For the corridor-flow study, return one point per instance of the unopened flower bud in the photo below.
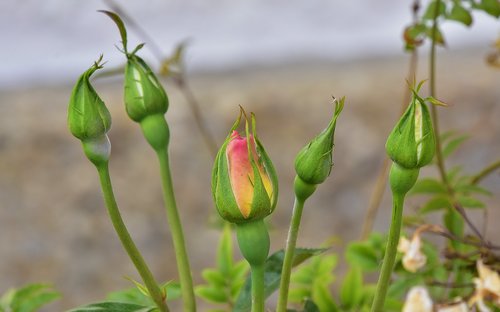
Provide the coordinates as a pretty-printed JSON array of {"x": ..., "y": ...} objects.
[
  {"x": 411, "y": 143},
  {"x": 144, "y": 95},
  {"x": 313, "y": 163},
  {"x": 418, "y": 300},
  {"x": 244, "y": 181},
  {"x": 88, "y": 117}
]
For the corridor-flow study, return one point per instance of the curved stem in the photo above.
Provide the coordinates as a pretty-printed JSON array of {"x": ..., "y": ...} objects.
[
  {"x": 126, "y": 239},
  {"x": 390, "y": 253},
  {"x": 175, "y": 225},
  {"x": 257, "y": 275},
  {"x": 289, "y": 252}
]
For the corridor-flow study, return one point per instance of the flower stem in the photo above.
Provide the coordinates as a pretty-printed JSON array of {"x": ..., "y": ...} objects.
[
  {"x": 390, "y": 253},
  {"x": 127, "y": 241},
  {"x": 289, "y": 251},
  {"x": 175, "y": 225},
  {"x": 432, "y": 86},
  {"x": 257, "y": 274}
]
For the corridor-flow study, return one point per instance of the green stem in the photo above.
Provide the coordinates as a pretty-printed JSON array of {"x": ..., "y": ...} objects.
[
  {"x": 289, "y": 252},
  {"x": 257, "y": 274},
  {"x": 485, "y": 172},
  {"x": 126, "y": 240},
  {"x": 175, "y": 225},
  {"x": 390, "y": 253},
  {"x": 432, "y": 84}
]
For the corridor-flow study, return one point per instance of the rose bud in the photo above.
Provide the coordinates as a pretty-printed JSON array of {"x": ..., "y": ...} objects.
[
  {"x": 144, "y": 95},
  {"x": 89, "y": 119},
  {"x": 244, "y": 181},
  {"x": 313, "y": 163},
  {"x": 411, "y": 143},
  {"x": 146, "y": 101}
]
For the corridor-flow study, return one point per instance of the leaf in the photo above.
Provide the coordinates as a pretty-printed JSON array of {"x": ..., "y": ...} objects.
[
  {"x": 225, "y": 250},
  {"x": 455, "y": 224},
  {"x": 214, "y": 277},
  {"x": 272, "y": 275},
  {"x": 452, "y": 146},
  {"x": 436, "y": 36},
  {"x": 428, "y": 186},
  {"x": 110, "y": 306},
  {"x": 431, "y": 10},
  {"x": 31, "y": 297},
  {"x": 492, "y": 7},
  {"x": 460, "y": 14},
  {"x": 436, "y": 203},
  {"x": 470, "y": 202},
  {"x": 312, "y": 280},
  {"x": 351, "y": 289},
  {"x": 137, "y": 296},
  {"x": 121, "y": 26},
  {"x": 310, "y": 306},
  {"x": 211, "y": 294},
  {"x": 468, "y": 188},
  {"x": 362, "y": 255}
]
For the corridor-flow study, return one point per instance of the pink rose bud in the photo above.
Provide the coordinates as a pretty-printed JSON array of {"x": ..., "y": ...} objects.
[{"x": 244, "y": 182}]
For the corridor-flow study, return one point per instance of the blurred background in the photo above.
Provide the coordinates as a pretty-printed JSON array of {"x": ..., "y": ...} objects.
[{"x": 281, "y": 59}]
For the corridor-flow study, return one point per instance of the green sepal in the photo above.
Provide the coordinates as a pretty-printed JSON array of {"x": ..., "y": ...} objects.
[
  {"x": 313, "y": 163},
  {"x": 411, "y": 144},
  {"x": 144, "y": 95},
  {"x": 88, "y": 117}
]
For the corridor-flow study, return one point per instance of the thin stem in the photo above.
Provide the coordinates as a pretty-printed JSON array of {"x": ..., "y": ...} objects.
[
  {"x": 257, "y": 274},
  {"x": 485, "y": 172},
  {"x": 390, "y": 253},
  {"x": 195, "y": 110},
  {"x": 432, "y": 86},
  {"x": 376, "y": 199},
  {"x": 175, "y": 225},
  {"x": 127, "y": 241},
  {"x": 289, "y": 252}
]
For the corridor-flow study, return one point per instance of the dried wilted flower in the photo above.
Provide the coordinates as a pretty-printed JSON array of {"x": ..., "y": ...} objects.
[
  {"x": 413, "y": 258},
  {"x": 418, "y": 300}
]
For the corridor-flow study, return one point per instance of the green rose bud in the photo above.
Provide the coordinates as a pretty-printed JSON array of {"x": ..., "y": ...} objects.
[
  {"x": 89, "y": 119},
  {"x": 411, "y": 143},
  {"x": 144, "y": 95},
  {"x": 244, "y": 181},
  {"x": 313, "y": 163}
]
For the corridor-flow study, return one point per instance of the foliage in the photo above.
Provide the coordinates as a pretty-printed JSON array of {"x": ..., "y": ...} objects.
[{"x": 28, "y": 298}]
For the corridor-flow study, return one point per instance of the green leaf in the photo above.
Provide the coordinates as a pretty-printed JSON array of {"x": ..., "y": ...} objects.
[
  {"x": 431, "y": 10},
  {"x": 110, "y": 306},
  {"x": 212, "y": 294},
  {"x": 362, "y": 255},
  {"x": 121, "y": 26},
  {"x": 436, "y": 36},
  {"x": 467, "y": 188},
  {"x": 272, "y": 275},
  {"x": 137, "y": 296},
  {"x": 455, "y": 224},
  {"x": 436, "y": 203},
  {"x": 492, "y": 7},
  {"x": 460, "y": 14},
  {"x": 351, "y": 289},
  {"x": 312, "y": 280},
  {"x": 470, "y": 202},
  {"x": 452, "y": 145},
  {"x": 225, "y": 251},
  {"x": 428, "y": 186},
  {"x": 31, "y": 297},
  {"x": 214, "y": 277},
  {"x": 310, "y": 306}
]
